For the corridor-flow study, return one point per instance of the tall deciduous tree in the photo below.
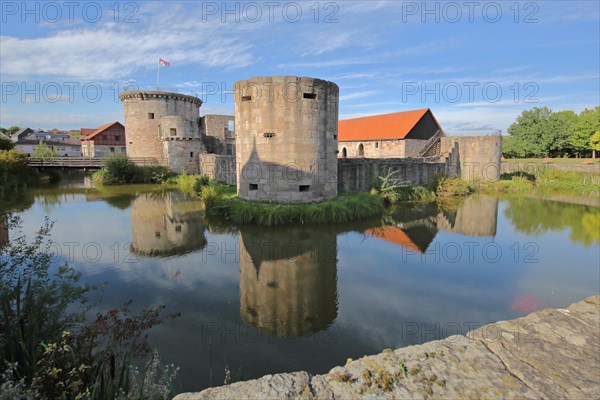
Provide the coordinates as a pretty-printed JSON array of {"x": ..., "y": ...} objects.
[
  {"x": 531, "y": 133},
  {"x": 588, "y": 123},
  {"x": 595, "y": 143}
]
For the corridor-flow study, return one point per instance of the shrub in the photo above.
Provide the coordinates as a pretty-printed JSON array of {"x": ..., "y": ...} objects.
[
  {"x": 6, "y": 143},
  {"x": 119, "y": 170},
  {"x": 453, "y": 187},
  {"x": 14, "y": 173},
  {"x": 44, "y": 337}
]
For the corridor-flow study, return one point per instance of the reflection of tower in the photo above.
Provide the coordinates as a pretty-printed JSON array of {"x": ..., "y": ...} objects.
[
  {"x": 476, "y": 216},
  {"x": 288, "y": 279},
  {"x": 166, "y": 224},
  {"x": 286, "y": 138}
]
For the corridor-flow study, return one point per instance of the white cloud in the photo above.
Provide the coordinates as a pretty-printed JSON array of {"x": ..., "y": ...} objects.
[
  {"x": 111, "y": 51},
  {"x": 358, "y": 95}
]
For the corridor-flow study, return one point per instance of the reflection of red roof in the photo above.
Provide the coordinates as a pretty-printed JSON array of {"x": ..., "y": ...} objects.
[
  {"x": 99, "y": 130},
  {"x": 376, "y": 127},
  {"x": 393, "y": 235}
]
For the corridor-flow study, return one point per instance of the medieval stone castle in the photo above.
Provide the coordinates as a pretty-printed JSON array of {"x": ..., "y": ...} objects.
[{"x": 285, "y": 144}]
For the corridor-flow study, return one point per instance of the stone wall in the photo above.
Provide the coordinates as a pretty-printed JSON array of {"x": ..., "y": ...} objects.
[
  {"x": 286, "y": 138},
  {"x": 182, "y": 154},
  {"x": 479, "y": 155},
  {"x": 217, "y": 136},
  {"x": 362, "y": 173},
  {"x": 219, "y": 167},
  {"x": 382, "y": 148}
]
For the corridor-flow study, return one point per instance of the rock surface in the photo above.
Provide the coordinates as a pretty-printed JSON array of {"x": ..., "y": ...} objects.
[{"x": 547, "y": 354}]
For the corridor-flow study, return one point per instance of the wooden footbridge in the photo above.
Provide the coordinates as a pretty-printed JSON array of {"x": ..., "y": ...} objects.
[{"x": 84, "y": 163}]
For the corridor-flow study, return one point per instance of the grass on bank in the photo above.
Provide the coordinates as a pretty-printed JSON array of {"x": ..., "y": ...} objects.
[
  {"x": 563, "y": 161},
  {"x": 220, "y": 200},
  {"x": 544, "y": 180}
]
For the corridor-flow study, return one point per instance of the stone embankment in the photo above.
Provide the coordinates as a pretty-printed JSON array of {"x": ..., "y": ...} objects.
[{"x": 549, "y": 354}]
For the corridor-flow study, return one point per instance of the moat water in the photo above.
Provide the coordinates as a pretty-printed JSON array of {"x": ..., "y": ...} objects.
[{"x": 265, "y": 300}]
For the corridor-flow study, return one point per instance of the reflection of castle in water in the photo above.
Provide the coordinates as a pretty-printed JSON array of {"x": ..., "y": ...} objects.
[
  {"x": 288, "y": 279},
  {"x": 166, "y": 224},
  {"x": 415, "y": 227}
]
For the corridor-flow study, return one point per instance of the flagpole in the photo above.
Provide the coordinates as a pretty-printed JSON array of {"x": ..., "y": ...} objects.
[{"x": 158, "y": 75}]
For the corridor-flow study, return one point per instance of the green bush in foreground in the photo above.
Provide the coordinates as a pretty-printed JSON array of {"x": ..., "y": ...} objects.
[{"x": 49, "y": 348}]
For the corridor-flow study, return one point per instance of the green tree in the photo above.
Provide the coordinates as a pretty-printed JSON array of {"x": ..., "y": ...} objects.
[
  {"x": 588, "y": 123},
  {"x": 561, "y": 129},
  {"x": 10, "y": 131},
  {"x": 531, "y": 133},
  {"x": 6, "y": 143},
  {"x": 595, "y": 143},
  {"x": 42, "y": 150}
]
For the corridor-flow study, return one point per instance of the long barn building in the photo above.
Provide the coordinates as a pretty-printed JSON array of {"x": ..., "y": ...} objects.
[{"x": 413, "y": 133}]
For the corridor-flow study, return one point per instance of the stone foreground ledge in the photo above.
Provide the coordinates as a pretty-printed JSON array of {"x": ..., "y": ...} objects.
[{"x": 547, "y": 354}]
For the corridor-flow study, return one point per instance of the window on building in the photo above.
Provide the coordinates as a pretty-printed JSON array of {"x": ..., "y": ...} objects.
[
  {"x": 177, "y": 228},
  {"x": 253, "y": 186},
  {"x": 117, "y": 138},
  {"x": 335, "y": 137},
  {"x": 173, "y": 132},
  {"x": 344, "y": 152},
  {"x": 304, "y": 188},
  {"x": 230, "y": 125},
  {"x": 229, "y": 149},
  {"x": 269, "y": 135},
  {"x": 112, "y": 149},
  {"x": 376, "y": 145},
  {"x": 311, "y": 96},
  {"x": 150, "y": 115},
  {"x": 191, "y": 154},
  {"x": 246, "y": 98},
  {"x": 361, "y": 150}
]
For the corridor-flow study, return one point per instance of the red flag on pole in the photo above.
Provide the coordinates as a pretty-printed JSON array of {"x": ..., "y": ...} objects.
[{"x": 164, "y": 63}]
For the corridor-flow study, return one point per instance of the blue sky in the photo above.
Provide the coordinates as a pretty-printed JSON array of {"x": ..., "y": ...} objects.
[{"x": 476, "y": 64}]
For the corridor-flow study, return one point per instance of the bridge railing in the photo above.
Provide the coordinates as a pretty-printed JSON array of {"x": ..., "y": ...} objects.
[{"x": 86, "y": 162}]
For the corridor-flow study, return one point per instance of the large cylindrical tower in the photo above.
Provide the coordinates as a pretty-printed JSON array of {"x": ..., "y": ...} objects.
[
  {"x": 144, "y": 112},
  {"x": 286, "y": 138}
]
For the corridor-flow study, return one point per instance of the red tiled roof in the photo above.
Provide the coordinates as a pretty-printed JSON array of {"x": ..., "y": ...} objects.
[
  {"x": 378, "y": 127},
  {"x": 393, "y": 235},
  {"x": 98, "y": 131},
  {"x": 86, "y": 131}
]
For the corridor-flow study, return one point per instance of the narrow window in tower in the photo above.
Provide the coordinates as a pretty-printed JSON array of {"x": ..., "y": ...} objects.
[
  {"x": 191, "y": 154},
  {"x": 311, "y": 96},
  {"x": 253, "y": 186},
  {"x": 304, "y": 188},
  {"x": 150, "y": 115}
]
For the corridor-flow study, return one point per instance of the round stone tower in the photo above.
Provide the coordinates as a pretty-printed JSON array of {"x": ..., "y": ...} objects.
[
  {"x": 286, "y": 139},
  {"x": 147, "y": 125}
]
